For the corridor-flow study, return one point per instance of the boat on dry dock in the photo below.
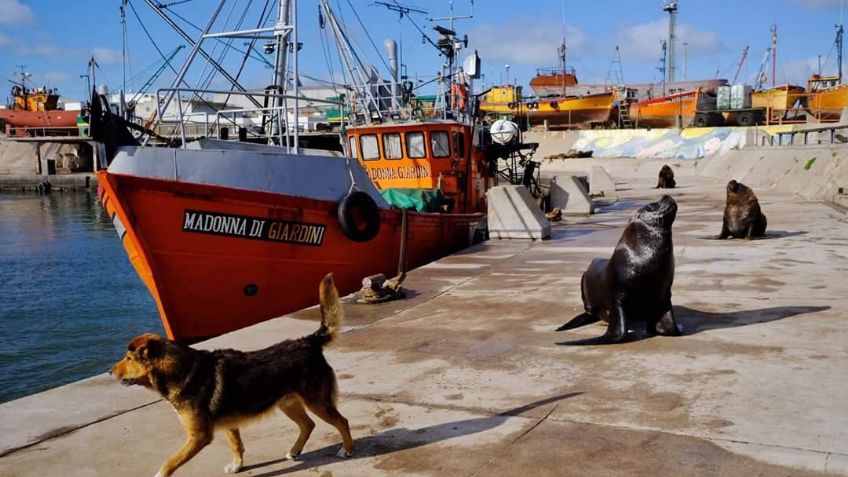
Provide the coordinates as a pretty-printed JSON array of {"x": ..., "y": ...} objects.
[
  {"x": 226, "y": 234},
  {"x": 36, "y": 111}
]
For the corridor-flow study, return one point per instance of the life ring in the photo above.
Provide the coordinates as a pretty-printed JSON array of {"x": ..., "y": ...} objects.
[{"x": 359, "y": 216}]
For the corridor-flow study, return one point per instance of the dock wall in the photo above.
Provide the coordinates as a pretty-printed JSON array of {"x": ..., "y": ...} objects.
[
  {"x": 690, "y": 143},
  {"x": 813, "y": 171}
]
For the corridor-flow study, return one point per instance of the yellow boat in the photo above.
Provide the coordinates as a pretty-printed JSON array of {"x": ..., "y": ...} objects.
[
  {"x": 778, "y": 101},
  {"x": 573, "y": 112},
  {"x": 827, "y": 98}
]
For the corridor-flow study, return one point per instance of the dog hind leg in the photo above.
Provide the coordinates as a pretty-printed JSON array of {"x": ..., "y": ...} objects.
[
  {"x": 326, "y": 410},
  {"x": 294, "y": 410},
  {"x": 237, "y": 448}
]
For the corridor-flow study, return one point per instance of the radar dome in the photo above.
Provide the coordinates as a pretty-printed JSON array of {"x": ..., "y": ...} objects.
[{"x": 503, "y": 131}]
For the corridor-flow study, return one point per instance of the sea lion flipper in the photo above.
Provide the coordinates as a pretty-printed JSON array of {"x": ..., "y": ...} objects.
[
  {"x": 580, "y": 320},
  {"x": 666, "y": 326},
  {"x": 725, "y": 231},
  {"x": 616, "y": 333}
]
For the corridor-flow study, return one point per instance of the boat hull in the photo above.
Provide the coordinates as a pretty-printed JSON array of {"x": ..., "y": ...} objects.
[
  {"x": 207, "y": 281},
  {"x": 39, "y": 119},
  {"x": 666, "y": 112},
  {"x": 827, "y": 105},
  {"x": 570, "y": 112}
]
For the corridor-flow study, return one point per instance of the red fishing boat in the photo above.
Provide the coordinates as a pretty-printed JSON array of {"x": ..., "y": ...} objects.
[
  {"x": 226, "y": 234},
  {"x": 36, "y": 111}
]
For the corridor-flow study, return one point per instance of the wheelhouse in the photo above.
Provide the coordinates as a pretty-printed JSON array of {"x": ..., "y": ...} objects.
[{"x": 436, "y": 155}]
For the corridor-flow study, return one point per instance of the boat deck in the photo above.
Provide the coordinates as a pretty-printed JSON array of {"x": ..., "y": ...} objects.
[{"x": 465, "y": 376}]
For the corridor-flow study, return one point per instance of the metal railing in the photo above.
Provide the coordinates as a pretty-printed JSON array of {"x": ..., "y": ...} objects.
[
  {"x": 281, "y": 123},
  {"x": 788, "y": 138}
]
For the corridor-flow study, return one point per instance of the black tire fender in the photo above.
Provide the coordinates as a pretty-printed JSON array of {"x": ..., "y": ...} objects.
[{"x": 359, "y": 216}]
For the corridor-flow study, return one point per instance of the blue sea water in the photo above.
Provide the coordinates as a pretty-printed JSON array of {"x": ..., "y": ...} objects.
[{"x": 69, "y": 299}]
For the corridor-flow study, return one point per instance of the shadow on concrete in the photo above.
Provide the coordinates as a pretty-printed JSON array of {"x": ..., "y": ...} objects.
[
  {"x": 695, "y": 321},
  {"x": 399, "y": 439},
  {"x": 770, "y": 234}
]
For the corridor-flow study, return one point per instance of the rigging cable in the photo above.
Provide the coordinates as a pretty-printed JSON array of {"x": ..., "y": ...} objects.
[{"x": 379, "y": 54}]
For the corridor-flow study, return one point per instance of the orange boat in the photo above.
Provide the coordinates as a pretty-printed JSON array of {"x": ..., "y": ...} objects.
[
  {"x": 674, "y": 110},
  {"x": 225, "y": 235},
  {"x": 827, "y": 97},
  {"x": 36, "y": 110}
]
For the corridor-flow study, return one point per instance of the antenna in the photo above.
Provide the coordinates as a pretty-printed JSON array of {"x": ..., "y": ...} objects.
[
  {"x": 400, "y": 8},
  {"x": 685, "y": 58}
]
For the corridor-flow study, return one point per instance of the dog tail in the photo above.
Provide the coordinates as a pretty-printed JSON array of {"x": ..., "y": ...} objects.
[{"x": 332, "y": 314}]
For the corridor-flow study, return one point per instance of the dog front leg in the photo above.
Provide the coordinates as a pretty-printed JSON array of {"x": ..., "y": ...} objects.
[
  {"x": 237, "y": 448},
  {"x": 192, "y": 446}
]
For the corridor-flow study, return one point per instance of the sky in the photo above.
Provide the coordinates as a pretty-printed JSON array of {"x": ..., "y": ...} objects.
[{"x": 55, "y": 38}]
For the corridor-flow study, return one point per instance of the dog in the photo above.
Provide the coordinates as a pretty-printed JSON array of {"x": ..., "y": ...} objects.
[{"x": 223, "y": 389}]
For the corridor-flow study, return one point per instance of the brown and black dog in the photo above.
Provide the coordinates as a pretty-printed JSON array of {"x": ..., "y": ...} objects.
[{"x": 223, "y": 389}]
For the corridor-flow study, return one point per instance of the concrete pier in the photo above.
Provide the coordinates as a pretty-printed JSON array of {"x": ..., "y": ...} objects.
[{"x": 465, "y": 376}]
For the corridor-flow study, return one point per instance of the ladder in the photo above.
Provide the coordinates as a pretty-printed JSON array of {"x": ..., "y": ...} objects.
[{"x": 624, "y": 115}]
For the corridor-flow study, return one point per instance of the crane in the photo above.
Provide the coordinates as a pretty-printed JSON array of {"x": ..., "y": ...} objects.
[{"x": 741, "y": 62}]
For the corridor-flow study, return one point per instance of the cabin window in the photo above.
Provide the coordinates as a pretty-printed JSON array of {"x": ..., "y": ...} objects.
[
  {"x": 370, "y": 149},
  {"x": 459, "y": 145},
  {"x": 415, "y": 145},
  {"x": 440, "y": 144},
  {"x": 353, "y": 152},
  {"x": 391, "y": 146}
]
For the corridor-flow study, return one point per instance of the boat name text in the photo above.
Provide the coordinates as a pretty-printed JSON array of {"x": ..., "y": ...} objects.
[
  {"x": 400, "y": 172},
  {"x": 255, "y": 228}
]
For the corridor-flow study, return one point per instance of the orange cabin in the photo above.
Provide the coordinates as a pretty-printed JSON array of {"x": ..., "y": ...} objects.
[{"x": 423, "y": 155}]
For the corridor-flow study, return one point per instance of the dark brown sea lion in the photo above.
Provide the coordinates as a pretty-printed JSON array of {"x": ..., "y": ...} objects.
[
  {"x": 635, "y": 284},
  {"x": 665, "y": 180},
  {"x": 742, "y": 215}
]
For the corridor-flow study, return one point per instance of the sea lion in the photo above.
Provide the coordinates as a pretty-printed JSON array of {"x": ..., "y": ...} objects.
[
  {"x": 742, "y": 215},
  {"x": 635, "y": 284},
  {"x": 665, "y": 180}
]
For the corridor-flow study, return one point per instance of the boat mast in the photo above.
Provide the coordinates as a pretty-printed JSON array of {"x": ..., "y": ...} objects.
[
  {"x": 671, "y": 8},
  {"x": 356, "y": 67},
  {"x": 662, "y": 66},
  {"x": 773, "y": 55},
  {"x": 839, "y": 31},
  {"x": 450, "y": 46},
  {"x": 561, "y": 54}
]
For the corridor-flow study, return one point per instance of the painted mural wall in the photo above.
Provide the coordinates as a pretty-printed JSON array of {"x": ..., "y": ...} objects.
[{"x": 690, "y": 143}]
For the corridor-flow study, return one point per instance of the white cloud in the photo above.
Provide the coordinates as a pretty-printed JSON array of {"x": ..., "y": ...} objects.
[
  {"x": 26, "y": 48},
  {"x": 106, "y": 56},
  {"x": 799, "y": 71},
  {"x": 642, "y": 42},
  {"x": 524, "y": 41},
  {"x": 15, "y": 13}
]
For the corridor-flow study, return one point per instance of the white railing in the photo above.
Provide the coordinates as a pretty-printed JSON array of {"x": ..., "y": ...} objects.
[{"x": 279, "y": 111}]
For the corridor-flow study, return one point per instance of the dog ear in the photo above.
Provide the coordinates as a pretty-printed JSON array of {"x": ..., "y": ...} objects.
[{"x": 150, "y": 349}]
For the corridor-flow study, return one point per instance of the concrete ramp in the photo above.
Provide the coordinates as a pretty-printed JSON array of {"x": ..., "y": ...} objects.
[
  {"x": 514, "y": 214},
  {"x": 570, "y": 193},
  {"x": 600, "y": 182}
]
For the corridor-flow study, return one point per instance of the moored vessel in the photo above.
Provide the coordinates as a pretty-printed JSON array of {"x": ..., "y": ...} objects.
[{"x": 226, "y": 234}]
